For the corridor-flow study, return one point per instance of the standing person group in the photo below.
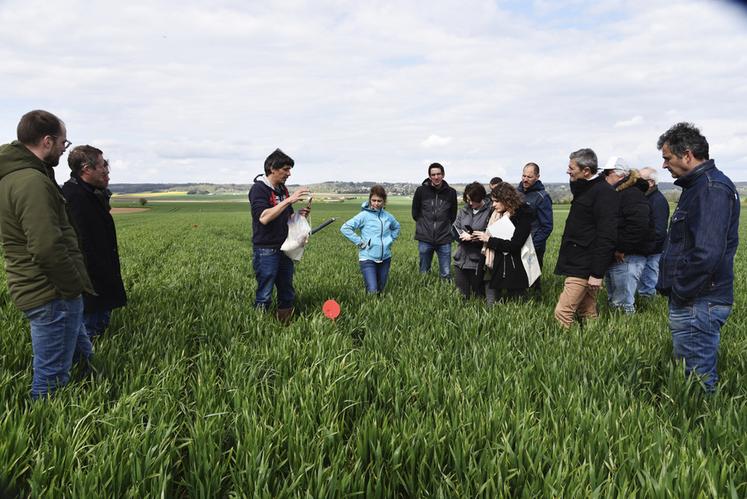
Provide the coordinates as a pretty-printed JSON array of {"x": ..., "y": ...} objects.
[
  {"x": 60, "y": 247},
  {"x": 635, "y": 234},
  {"x": 46, "y": 272},
  {"x": 63, "y": 268}
]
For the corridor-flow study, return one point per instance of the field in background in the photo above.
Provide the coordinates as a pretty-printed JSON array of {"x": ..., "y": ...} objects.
[{"x": 411, "y": 393}]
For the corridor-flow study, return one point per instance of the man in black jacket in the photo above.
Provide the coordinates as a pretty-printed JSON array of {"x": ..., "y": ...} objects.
[
  {"x": 660, "y": 209},
  {"x": 88, "y": 205},
  {"x": 635, "y": 234},
  {"x": 434, "y": 209},
  {"x": 588, "y": 239}
]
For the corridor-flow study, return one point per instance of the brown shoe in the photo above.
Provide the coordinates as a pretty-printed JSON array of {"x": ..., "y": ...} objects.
[{"x": 284, "y": 315}]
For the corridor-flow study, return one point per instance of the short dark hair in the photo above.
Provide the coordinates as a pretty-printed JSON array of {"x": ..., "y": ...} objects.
[
  {"x": 495, "y": 180},
  {"x": 474, "y": 192},
  {"x": 535, "y": 167},
  {"x": 81, "y": 156},
  {"x": 277, "y": 160},
  {"x": 683, "y": 137},
  {"x": 585, "y": 158},
  {"x": 377, "y": 190},
  {"x": 436, "y": 165},
  {"x": 37, "y": 124},
  {"x": 508, "y": 196}
]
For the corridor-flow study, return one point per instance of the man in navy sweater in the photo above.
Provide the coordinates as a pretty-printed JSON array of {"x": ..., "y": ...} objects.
[{"x": 272, "y": 206}]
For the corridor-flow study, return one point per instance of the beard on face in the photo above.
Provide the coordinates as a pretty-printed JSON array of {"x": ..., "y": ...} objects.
[{"x": 52, "y": 159}]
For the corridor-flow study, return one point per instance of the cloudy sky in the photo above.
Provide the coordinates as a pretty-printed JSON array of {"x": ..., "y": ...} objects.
[{"x": 187, "y": 91}]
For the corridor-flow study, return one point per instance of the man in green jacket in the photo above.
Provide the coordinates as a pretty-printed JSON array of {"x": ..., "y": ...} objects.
[{"x": 46, "y": 271}]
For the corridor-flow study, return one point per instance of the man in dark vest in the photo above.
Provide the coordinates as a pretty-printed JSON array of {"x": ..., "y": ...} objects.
[{"x": 87, "y": 197}]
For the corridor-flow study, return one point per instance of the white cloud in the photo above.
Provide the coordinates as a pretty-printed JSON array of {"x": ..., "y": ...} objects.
[
  {"x": 175, "y": 91},
  {"x": 635, "y": 120},
  {"x": 435, "y": 141}
]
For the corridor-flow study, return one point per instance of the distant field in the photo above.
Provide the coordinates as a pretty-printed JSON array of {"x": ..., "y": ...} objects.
[{"x": 414, "y": 393}]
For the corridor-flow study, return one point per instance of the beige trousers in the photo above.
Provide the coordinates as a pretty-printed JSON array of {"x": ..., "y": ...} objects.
[{"x": 577, "y": 298}]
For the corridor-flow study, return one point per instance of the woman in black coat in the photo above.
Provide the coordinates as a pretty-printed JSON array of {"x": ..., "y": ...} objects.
[{"x": 502, "y": 266}]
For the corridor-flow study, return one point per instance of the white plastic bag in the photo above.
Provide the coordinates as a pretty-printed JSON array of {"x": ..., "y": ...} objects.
[{"x": 298, "y": 235}]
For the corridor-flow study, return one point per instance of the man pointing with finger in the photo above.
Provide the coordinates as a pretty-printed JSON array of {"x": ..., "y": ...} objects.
[{"x": 272, "y": 206}]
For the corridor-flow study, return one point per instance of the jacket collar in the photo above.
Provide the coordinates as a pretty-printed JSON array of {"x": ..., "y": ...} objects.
[
  {"x": 695, "y": 174},
  {"x": 582, "y": 185}
]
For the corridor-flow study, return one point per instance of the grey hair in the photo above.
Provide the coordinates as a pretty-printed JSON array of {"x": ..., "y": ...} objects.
[
  {"x": 585, "y": 158},
  {"x": 649, "y": 173}
]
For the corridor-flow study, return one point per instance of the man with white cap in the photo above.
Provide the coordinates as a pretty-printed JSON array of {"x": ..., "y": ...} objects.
[{"x": 635, "y": 234}]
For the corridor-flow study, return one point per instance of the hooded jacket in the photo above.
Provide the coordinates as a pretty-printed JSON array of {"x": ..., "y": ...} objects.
[
  {"x": 262, "y": 196},
  {"x": 88, "y": 208},
  {"x": 636, "y": 230},
  {"x": 378, "y": 230},
  {"x": 434, "y": 210},
  {"x": 42, "y": 259},
  {"x": 469, "y": 253},
  {"x": 538, "y": 198},
  {"x": 590, "y": 234}
]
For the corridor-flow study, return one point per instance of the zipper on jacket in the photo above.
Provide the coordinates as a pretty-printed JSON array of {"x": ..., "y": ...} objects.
[{"x": 381, "y": 236}]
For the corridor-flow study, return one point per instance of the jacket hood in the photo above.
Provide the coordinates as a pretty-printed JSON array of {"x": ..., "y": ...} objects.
[
  {"x": 366, "y": 207},
  {"x": 427, "y": 183},
  {"x": 15, "y": 156},
  {"x": 537, "y": 186},
  {"x": 633, "y": 179}
]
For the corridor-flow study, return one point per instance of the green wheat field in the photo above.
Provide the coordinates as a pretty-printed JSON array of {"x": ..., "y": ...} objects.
[{"x": 412, "y": 394}]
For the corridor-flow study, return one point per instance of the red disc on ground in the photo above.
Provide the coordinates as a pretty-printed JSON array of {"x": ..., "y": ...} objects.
[{"x": 331, "y": 309}]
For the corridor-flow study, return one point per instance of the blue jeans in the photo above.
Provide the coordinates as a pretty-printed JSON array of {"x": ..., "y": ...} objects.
[
  {"x": 56, "y": 331},
  {"x": 696, "y": 333},
  {"x": 444, "y": 257},
  {"x": 647, "y": 284},
  {"x": 97, "y": 322},
  {"x": 273, "y": 269},
  {"x": 375, "y": 274},
  {"x": 622, "y": 281}
]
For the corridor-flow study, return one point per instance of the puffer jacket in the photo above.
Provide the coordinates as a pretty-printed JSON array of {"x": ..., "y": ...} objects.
[
  {"x": 42, "y": 258},
  {"x": 378, "y": 230},
  {"x": 469, "y": 253},
  {"x": 636, "y": 227},
  {"x": 434, "y": 210}
]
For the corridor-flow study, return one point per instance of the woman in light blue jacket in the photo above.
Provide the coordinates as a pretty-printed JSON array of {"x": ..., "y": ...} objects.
[{"x": 378, "y": 230}]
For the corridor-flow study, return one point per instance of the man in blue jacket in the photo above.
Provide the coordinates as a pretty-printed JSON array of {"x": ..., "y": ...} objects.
[
  {"x": 538, "y": 198},
  {"x": 697, "y": 264},
  {"x": 660, "y": 209}
]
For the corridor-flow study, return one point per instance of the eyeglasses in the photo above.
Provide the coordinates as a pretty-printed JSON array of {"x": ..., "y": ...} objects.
[{"x": 65, "y": 144}]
